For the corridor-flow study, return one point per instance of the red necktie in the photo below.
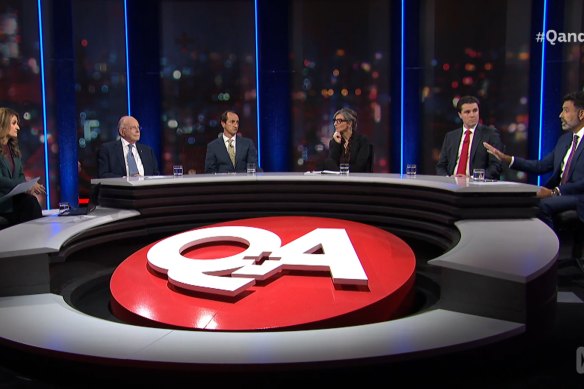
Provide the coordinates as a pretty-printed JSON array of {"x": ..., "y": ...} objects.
[
  {"x": 566, "y": 172},
  {"x": 463, "y": 160}
]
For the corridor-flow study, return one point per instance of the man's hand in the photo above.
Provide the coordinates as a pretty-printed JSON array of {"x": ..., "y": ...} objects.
[
  {"x": 544, "y": 192},
  {"x": 497, "y": 153}
]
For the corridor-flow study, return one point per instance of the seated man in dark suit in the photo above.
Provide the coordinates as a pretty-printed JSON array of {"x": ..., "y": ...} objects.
[
  {"x": 230, "y": 153},
  {"x": 125, "y": 157},
  {"x": 462, "y": 149},
  {"x": 565, "y": 162}
]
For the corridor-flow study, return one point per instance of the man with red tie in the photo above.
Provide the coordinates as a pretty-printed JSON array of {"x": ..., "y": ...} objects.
[
  {"x": 462, "y": 149},
  {"x": 565, "y": 162}
]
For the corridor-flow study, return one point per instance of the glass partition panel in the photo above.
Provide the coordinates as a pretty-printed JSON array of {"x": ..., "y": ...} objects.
[
  {"x": 573, "y": 50},
  {"x": 100, "y": 78},
  {"x": 481, "y": 49},
  {"x": 207, "y": 67},
  {"x": 340, "y": 58},
  {"x": 20, "y": 81}
]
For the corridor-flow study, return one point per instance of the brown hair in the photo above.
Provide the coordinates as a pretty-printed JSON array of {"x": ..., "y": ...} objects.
[
  {"x": 467, "y": 100},
  {"x": 6, "y": 115}
]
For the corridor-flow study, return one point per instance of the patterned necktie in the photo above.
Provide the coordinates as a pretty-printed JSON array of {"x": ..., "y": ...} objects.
[
  {"x": 231, "y": 151},
  {"x": 463, "y": 160},
  {"x": 132, "y": 167},
  {"x": 566, "y": 172}
]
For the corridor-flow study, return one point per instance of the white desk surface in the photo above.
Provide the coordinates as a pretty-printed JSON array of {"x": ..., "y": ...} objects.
[
  {"x": 63, "y": 329},
  {"x": 436, "y": 182},
  {"x": 517, "y": 250},
  {"x": 47, "y": 234}
]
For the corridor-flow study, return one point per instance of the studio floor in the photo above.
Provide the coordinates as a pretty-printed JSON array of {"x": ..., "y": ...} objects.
[{"x": 546, "y": 360}]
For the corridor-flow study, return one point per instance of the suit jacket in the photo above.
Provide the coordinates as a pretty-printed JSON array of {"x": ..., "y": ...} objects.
[
  {"x": 9, "y": 181},
  {"x": 479, "y": 158},
  {"x": 580, "y": 208},
  {"x": 360, "y": 154},
  {"x": 217, "y": 158},
  {"x": 111, "y": 163},
  {"x": 552, "y": 162}
]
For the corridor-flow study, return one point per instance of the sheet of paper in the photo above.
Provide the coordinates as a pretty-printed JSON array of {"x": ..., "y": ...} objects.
[
  {"x": 20, "y": 188},
  {"x": 315, "y": 172}
]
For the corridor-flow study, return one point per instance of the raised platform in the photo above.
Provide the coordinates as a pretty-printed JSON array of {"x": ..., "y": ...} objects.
[{"x": 496, "y": 267}]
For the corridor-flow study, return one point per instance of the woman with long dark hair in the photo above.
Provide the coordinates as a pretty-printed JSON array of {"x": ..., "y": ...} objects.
[{"x": 24, "y": 206}]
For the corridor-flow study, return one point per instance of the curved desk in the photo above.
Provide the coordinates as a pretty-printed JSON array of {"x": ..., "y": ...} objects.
[{"x": 497, "y": 267}]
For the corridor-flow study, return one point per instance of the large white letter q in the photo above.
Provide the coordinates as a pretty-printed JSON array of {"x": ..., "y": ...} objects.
[{"x": 204, "y": 275}]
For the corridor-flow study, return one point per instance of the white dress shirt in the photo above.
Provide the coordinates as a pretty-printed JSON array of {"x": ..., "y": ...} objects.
[{"x": 125, "y": 148}]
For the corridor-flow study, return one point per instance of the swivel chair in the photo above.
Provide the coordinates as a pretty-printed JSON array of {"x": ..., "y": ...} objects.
[
  {"x": 570, "y": 231},
  {"x": 370, "y": 159}
]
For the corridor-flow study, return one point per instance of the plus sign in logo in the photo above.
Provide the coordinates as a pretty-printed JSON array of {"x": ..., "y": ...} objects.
[{"x": 267, "y": 274}]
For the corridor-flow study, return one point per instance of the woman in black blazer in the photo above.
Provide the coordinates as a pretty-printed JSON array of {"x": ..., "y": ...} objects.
[
  {"x": 347, "y": 145},
  {"x": 21, "y": 207}
]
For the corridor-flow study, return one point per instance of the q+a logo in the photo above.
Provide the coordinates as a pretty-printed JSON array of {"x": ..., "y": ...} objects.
[{"x": 322, "y": 249}]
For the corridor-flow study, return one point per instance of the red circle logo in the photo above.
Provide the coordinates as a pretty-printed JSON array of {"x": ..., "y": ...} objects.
[{"x": 267, "y": 273}]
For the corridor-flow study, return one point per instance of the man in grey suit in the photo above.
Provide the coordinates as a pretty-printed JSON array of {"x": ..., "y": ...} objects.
[
  {"x": 455, "y": 159},
  {"x": 230, "y": 153},
  {"x": 126, "y": 157}
]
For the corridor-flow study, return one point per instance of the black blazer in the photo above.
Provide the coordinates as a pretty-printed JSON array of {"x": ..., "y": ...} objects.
[
  {"x": 217, "y": 158},
  {"x": 359, "y": 159},
  {"x": 479, "y": 158},
  {"x": 111, "y": 163},
  {"x": 9, "y": 181}
]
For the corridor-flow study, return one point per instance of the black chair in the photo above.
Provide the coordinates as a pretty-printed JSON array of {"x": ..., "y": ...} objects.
[
  {"x": 370, "y": 159},
  {"x": 570, "y": 230}
]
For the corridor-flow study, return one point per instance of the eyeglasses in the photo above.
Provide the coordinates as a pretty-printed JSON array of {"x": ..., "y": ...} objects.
[{"x": 339, "y": 121}]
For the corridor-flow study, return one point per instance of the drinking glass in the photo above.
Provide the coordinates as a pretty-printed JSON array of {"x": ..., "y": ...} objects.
[{"x": 344, "y": 168}]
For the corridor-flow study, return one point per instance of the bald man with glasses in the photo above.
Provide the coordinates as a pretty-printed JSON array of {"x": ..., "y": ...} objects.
[{"x": 126, "y": 157}]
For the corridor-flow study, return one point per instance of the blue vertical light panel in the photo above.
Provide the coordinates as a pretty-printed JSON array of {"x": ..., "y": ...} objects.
[
  {"x": 257, "y": 66},
  {"x": 542, "y": 88},
  {"x": 402, "y": 94},
  {"x": 127, "y": 56},
  {"x": 44, "y": 102}
]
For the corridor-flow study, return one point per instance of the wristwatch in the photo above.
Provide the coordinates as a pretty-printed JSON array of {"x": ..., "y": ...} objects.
[{"x": 556, "y": 192}]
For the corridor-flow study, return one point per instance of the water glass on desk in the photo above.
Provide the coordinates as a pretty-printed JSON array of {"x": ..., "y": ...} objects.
[
  {"x": 478, "y": 174},
  {"x": 177, "y": 170},
  {"x": 251, "y": 168},
  {"x": 64, "y": 206},
  {"x": 411, "y": 169},
  {"x": 344, "y": 168}
]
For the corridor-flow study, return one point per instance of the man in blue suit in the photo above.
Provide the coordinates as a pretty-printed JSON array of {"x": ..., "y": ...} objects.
[
  {"x": 230, "y": 153},
  {"x": 125, "y": 157},
  {"x": 458, "y": 160},
  {"x": 565, "y": 162}
]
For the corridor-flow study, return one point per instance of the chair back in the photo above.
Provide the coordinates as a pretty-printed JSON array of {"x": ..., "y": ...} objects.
[{"x": 370, "y": 159}]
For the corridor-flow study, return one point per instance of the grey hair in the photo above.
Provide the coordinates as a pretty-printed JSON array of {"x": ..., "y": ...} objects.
[{"x": 349, "y": 115}]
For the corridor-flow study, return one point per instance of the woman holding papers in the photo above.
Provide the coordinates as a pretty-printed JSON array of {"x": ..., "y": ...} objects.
[{"x": 23, "y": 206}]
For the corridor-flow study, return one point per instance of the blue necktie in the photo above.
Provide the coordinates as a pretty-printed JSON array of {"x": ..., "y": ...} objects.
[{"x": 132, "y": 167}]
